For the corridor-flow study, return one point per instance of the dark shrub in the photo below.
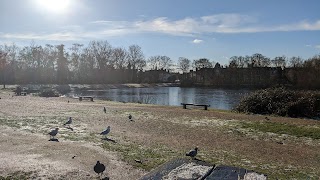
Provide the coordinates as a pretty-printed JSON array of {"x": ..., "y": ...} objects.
[
  {"x": 63, "y": 89},
  {"x": 282, "y": 102},
  {"x": 48, "y": 93}
]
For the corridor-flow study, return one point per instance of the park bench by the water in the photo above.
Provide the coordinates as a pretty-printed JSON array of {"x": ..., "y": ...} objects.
[
  {"x": 189, "y": 104},
  {"x": 85, "y": 97}
]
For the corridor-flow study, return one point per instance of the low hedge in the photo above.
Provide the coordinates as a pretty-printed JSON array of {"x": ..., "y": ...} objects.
[
  {"x": 283, "y": 102},
  {"x": 48, "y": 93}
]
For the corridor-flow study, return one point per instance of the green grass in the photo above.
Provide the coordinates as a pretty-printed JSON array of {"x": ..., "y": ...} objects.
[
  {"x": 9, "y": 122},
  {"x": 150, "y": 157},
  {"x": 282, "y": 128},
  {"x": 19, "y": 175}
]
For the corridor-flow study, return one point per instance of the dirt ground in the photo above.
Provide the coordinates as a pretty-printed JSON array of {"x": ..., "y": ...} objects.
[{"x": 156, "y": 134}]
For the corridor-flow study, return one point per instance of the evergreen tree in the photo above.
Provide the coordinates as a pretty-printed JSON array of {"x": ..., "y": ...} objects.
[{"x": 62, "y": 66}]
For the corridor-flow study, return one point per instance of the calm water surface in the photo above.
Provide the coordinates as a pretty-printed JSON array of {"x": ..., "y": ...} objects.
[{"x": 172, "y": 96}]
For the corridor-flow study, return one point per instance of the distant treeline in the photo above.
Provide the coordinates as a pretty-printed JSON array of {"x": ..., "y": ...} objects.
[{"x": 99, "y": 62}]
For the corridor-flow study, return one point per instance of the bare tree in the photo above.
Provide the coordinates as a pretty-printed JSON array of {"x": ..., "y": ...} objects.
[
  {"x": 202, "y": 63},
  {"x": 102, "y": 53},
  {"x": 119, "y": 57},
  {"x": 75, "y": 60},
  {"x": 184, "y": 64},
  {"x": 313, "y": 62},
  {"x": 159, "y": 62},
  {"x": 75, "y": 56},
  {"x": 296, "y": 61},
  {"x": 233, "y": 62},
  {"x": 153, "y": 62},
  {"x": 3, "y": 66},
  {"x": 279, "y": 61},
  {"x": 258, "y": 60},
  {"x": 136, "y": 58},
  {"x": 10, "y": 55}
]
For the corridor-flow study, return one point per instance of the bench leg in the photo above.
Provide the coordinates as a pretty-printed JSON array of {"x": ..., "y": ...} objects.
[
  {"x": 91, "y": 99},
  {"x": 205, "y": 107},
  {"x": 80, "y": 98},
  {"x": 184, "y": 106}
]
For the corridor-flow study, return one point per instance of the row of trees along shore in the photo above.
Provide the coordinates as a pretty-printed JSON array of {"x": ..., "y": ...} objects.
[{"x": 99, "y": 62}]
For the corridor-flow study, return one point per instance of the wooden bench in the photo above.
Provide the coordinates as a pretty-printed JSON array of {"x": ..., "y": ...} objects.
[
  {"x": 204, "y": 105},
  {"x": 186, "y": 104},
  {"x": 84, "y": 97}
]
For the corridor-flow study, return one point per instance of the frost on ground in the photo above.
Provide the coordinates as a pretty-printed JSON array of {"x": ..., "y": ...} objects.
[
  {"x": 188, "y": 171},
  {"x": 254, "y": 176}
]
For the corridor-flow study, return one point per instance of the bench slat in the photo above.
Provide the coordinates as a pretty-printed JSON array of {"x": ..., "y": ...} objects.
[{"x": 204, "y": 105}]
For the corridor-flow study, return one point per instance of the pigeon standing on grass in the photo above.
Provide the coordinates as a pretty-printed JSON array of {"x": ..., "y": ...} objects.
[
  {"x": 68, "y": 122},
  {"x": 99, "y": 168},
  {"x": 53, "y": 133},
  {"x": 105, "y": 132},
  {"x": 192, "y": 153}
]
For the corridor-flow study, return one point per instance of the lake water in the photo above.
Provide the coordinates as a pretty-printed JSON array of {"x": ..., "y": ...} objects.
[{"x": 171, "y": 96}]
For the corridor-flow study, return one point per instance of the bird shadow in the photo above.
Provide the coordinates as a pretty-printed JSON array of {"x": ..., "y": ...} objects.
[
  {"x": 105, "y": 178},
  {"x": 70, "y": 128},
  {"x": 196, "y": 159},
  {"x": 54, "y": 139},
  {"x": 107, "y": 139}
]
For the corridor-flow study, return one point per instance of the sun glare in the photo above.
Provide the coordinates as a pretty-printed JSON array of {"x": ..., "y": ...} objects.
[{"x": 57, "y": 6}]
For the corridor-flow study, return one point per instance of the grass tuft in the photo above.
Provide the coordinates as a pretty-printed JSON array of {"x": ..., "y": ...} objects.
[
  {"x": 19, "y": 175},
  {"x": 282, "y": 128},
  {"x": 150, "y": 157}
]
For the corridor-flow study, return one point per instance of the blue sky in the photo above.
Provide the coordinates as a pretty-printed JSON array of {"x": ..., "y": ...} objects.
[{"x": 213, "y": 29}]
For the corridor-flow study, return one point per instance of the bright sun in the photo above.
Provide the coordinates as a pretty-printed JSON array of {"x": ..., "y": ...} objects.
[{"x": 57, "y": 6}]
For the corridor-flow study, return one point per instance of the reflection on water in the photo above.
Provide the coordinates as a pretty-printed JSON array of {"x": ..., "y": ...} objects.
[{"x": 173, "y": 96}]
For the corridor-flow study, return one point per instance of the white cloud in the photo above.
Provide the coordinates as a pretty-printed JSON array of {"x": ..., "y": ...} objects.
[
  {"x": 197, "y": 41},
  {"x": 62, "y": 36},
  {"x": 313, "y": 46},
  {"x": 218, "y": 23}
]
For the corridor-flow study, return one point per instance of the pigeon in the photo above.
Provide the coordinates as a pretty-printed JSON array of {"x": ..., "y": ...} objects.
[
  {"x": 130, "y": 117},
  {"x": 53, "y": 133},
  {"x": 99, "y": 168},
  {"x": 104, "y": 109},
  {"x": 192, "y": 153},
  {"x": 105, "y": 132},
  {"x": 68, "y": 122}
]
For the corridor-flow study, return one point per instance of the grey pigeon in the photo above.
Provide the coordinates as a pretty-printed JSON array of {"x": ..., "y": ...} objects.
[
  {"x": 104, "y": 109},
  {"x": 192, "y": 153},
  {"x": 99, "y": 168},
  {"x": 53, "y": 133},
  {"x": 68, "y": 122},
  {"x": 130, "y": 117},
  {"x": 105, "y": 132}
]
